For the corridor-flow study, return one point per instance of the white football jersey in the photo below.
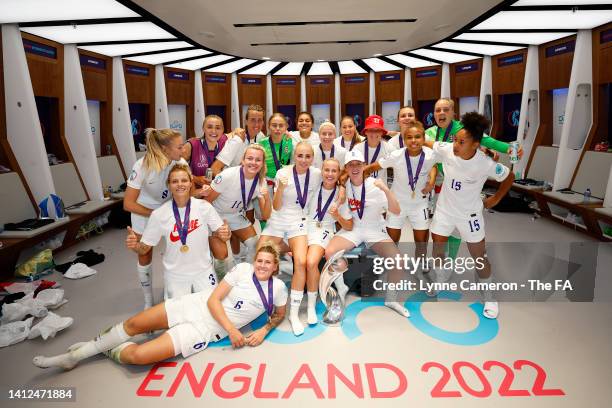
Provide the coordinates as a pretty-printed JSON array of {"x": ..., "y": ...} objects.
[
  {"x": 291, "y": 211},
  {"x": 463, "y": 180},
  {"x": 385, "y": 150},
  {"x": 196, "y": 260},
  {"x": 227, "y": 184},
  {"x": 339, "y": 153},
  {"x": 152, "y": 184},
  {"x": 375, "y": 204},
  {"x": 401, "y": 186}
]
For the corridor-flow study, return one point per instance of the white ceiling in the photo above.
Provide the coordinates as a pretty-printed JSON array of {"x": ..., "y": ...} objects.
[
  {"x": 201, "y": 34},
  {"x": 203, "y": 19}
]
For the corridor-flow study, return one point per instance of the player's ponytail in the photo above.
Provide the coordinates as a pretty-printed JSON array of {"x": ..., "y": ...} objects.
[{"x": 155, "y": 159}]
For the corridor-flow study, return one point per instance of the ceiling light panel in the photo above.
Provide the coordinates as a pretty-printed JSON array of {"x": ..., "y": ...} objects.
[
  {"x": 320, "y": 68},
  {"x": 349, "y": 67},
  {"x": 548, "y": 20},
  {"x": 292, "y": 68},
  {"x": 558, "y": 2},
  {"x": 447, "y": 57},
  {"x": 232, "y": 66},
  {"x": 100, "y": 32},
  {"x": 200, "y": 62},
  {"x": 411, "y": 62},
  {"x": 15, "y": 11},
  {"x": 168, "y": 56},
  {"x": 114, "y": 50},
  {"x": 521, "y": 38},
  {"x": 479, "y": 48},
  {"x": 379, "y": 65},
  {"x": 261, "y": 69}
]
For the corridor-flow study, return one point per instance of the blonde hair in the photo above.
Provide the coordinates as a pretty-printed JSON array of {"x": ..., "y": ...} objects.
[
  {"x": 303, "y": 143},
  {"x": 270, "y": 248},
  {"x": 155, "y": 158},
  {"x": 333, "y": 160},
  {"x": 179, "y": 167},
  {"x": 328, "y": 124},
  {"x": 448, "y": 100},
  {"x": 264, "y": 168}
]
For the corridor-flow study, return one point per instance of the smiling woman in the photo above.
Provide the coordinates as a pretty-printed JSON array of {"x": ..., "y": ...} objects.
[{"x": 192, "y": 321}]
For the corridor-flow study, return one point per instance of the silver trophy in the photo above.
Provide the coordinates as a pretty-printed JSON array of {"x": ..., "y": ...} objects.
[{"x": 334, "y": 304}]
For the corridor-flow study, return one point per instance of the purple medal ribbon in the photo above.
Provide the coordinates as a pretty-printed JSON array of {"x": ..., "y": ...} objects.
[
  {"x": 361, "y": 208},
  {"x": 321, "y": 213},
  {"x": 352, "y": 143},
  {"x": 411, "y": 179},
  {"x": 268, "y": 304},
  {"x": 182, "y": 228},
  {"x": 331, "y": 153},
  {"x": 446, "y": 132},
  {"x": 401, "y": 141},
  {"x": 302, "y": 198},
  {"x": 277, "y": 163},
  {"x": 215, "y": 152},
  {"x": 246, "y": 200},
  {"x": 366, "y": 151}
]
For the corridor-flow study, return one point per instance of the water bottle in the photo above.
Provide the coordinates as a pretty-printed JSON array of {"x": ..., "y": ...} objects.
[{"x": 587, "y": 195}]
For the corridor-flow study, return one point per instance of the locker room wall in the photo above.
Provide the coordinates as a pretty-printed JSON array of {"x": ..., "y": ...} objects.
[
  {"x": 179, "y": 91},
  {"x": 465, "y": 80},
  {"x": 251, "y": 91},
  {"x": 217, "y": 92}
]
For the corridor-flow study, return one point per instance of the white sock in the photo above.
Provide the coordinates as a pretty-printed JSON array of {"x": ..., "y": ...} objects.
[
  {"x": 107, "y": 340},
  {"x": 487, "y": 295},
  {"x": 220, "y": 266},
  {"x": 115, "y": 353},
  {"x": 145, "y": 276},
  {"x": 312, "y": 312},
  {"x": 251, "y": 248},
  {"x": 296, "y": 299},
  {"x": 397, "y": 306},
  {"x": 341, "y": 287}
]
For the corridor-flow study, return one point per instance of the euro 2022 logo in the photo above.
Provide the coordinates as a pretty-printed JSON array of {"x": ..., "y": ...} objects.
[
  {"x": 428, "y": 119},
  {"x": 513, "y": 117},
  {"x": 485, "y": 331}
]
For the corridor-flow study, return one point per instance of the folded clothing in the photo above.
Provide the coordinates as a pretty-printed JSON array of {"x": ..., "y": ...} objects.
[
  {"x": 89, "y": 258},
  {"x": 28, "y": 225},
  {"x": 27, "y": 287},
  {"x": 78, "y": 271}
]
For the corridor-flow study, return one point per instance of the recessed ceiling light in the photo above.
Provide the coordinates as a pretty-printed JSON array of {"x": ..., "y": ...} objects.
[
  {"x": 207, "y": 34},
  {"x": 377, "y": 55},
  {"x": 265, "y": 58},
  {"x": 320, "y": 60},
  {"x": 441, "y": 26}
]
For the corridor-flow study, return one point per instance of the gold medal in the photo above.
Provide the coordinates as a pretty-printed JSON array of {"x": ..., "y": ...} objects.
[
  {"x": 184, "y": 248},
  {"x": 318, "y": 224},
  {"x": 413, "y": 194}
]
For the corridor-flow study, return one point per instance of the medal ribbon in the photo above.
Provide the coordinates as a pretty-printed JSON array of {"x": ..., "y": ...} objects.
[
  {"x": 182, "y": 228},
  {"x": 210, "y": 159},
  {"x": 361, "y": 208},
  {"x": 446, "y": 132},
  {"x": 277, "y": 163},
  {"x": 302, "y": 198},
  {"x": 245, "y": 199},
  {"x": 321, "y": 213},
  {"x": 268, "y": 304},
  {"x": 411, "y": 179},
  {"x": 331, "y": 153}
]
